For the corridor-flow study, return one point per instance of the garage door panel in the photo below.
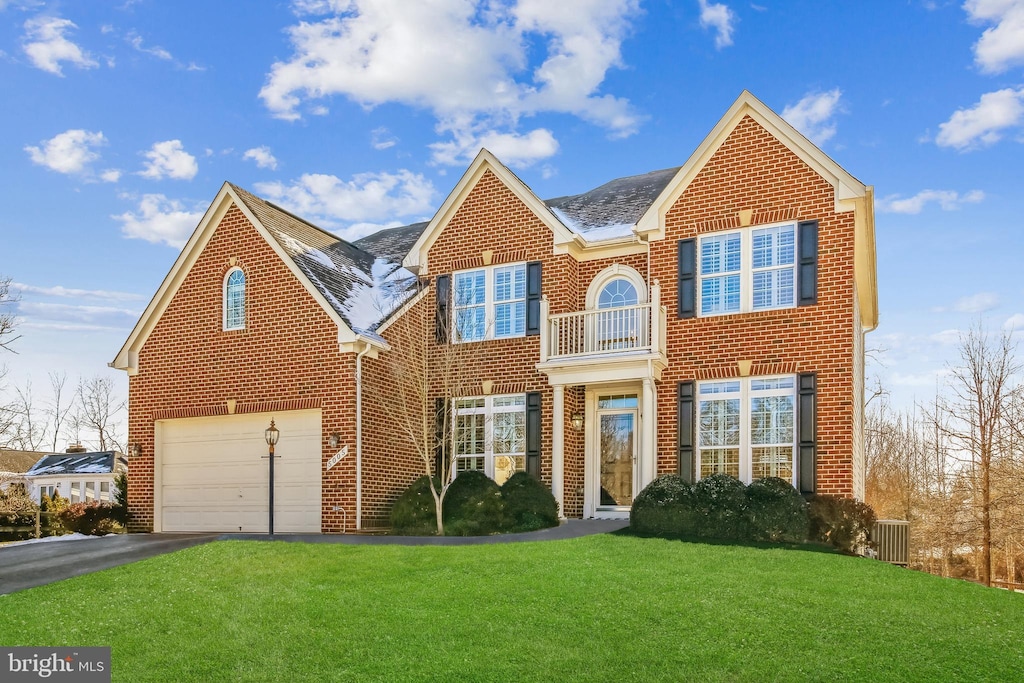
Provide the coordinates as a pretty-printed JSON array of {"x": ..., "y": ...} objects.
[{"x": 214, "y": 473}]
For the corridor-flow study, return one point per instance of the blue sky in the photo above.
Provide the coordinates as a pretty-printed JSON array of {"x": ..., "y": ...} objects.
[{"x": 122, "y": 119}]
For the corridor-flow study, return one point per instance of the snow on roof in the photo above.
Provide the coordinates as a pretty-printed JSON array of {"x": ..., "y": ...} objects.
[{"x": 74, "y": 463}]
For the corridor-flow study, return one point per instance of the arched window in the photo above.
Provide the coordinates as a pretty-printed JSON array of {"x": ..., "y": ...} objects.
[
  {"x": 234, "y": 300},
  {"x": 618, "y": 292}
]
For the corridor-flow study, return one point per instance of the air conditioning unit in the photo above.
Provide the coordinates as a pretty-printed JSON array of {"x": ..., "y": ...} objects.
[{"x": 892, "y": 541}]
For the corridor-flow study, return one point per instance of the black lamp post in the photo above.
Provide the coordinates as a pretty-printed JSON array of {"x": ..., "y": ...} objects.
[{"x": 272, "y": 434}]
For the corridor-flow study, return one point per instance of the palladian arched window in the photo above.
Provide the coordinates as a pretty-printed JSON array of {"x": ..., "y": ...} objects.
[
  {"x": 234, "y": 300},
  {"x": 618, "y": 292}
]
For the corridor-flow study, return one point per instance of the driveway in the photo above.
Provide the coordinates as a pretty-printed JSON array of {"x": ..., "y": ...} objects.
[{"x": 36, "y": 564}]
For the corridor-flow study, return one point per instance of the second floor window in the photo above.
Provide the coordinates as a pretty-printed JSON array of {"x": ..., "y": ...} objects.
[
  {"x": 234, "y": 300},
  {"x": 490, "y": 303},
  {"x": 748, "y": 270}
]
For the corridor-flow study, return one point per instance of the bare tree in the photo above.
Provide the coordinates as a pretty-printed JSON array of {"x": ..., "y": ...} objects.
[
  {"x": 97, "y": 409},
  {"x": 422, "y": 376},
  {"x": 60, "y": 406},
  {"x": 29, "y": 430},
  {"x": 8, "y": 321},
  {"x": 975, "y": 419}
]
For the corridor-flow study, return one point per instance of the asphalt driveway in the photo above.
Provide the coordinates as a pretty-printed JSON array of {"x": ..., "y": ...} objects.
[{"x": 36, "y": 564}]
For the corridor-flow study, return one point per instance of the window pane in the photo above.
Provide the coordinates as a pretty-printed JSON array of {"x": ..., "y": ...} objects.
[
  {"x": 505, "y": 401},
  {"x": 234, "y": 300},
  {"x": 618, "y": 293},
  {"x": 469, "y": 434},
  {"x": 772, "y": 461},
  {"x": 510, "y": 283},
  {"x": 731, "y": 387},
  {"x": 509, "y": 433},
  {"x": 90, "y": 491},
  {"x": 773, "y": 288},
  {"x": 464, "y": 464},
  {"x": 720, "y": 294},
  {"x": 719, "y": 461},
  {"x": 774, "y": 383},
  {"x": 105, "y": 490},
  {"x": 75, "y": 492},
  {"x": 469, "y": 323},
  {"x": 771, "y": 420},
  {"x": 720, "y": 422},
  {"x": 510, "y": 319},
  {"x": 720, "y": 254},
  {"x": 774, "y": 246},
  {"x": 620, "y": 401},
  {"x": 469, "y": 288}
]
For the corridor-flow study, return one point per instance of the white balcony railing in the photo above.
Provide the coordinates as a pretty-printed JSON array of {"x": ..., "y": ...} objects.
[{"x": 603, "y": 331}]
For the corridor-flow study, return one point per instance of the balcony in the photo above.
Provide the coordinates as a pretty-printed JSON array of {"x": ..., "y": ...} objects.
[{"x": 627, "y": 342}]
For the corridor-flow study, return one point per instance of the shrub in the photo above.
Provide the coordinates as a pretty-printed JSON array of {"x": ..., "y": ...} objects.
[
  {"x": 54, "y": 506},
  {"x": 121, "y": 497},
  {"x": 414, "y": 513},
  {"x": 474, "y": 506},
  {"x": 720, "y": 500},
  {"x": 776, "y": 512},
  {"x": 843, "y": 523},
  {"x": 664, "y": 508},
  {"x": 93, "y": 519},
  {"x": 529, "y": 504}
]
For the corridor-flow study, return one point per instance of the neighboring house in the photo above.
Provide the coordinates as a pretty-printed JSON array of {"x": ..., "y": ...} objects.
[
  {"x": 700, "y": 319},
  {"x": 14, "y": 464},
  {"x": 78, "y": 476}
]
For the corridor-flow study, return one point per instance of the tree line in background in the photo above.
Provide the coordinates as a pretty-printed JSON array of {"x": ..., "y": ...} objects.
[
  {"x": 88, "y": 412},
  {"x": 954, "y": 467}
]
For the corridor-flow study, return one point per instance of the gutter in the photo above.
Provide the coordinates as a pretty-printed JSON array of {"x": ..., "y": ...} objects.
[{"x": 359, "y": 434}]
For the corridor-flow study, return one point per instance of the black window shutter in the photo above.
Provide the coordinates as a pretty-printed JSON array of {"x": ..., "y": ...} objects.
[
  {"x": 687, "y": 284},
  {"x": 442, "y": 319},
  {"x": 684, "y": 429},
  {"x": 533, "y": 298},
  {"x": 443, "y": 432},
  {"x": 807, "y": 269},
  {"x": 807, "y": 436},
  {"x": 533, "y": 434}
]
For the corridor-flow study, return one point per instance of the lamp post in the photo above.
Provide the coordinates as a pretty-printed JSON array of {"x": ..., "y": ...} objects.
[{"x": 272, "y": 434}]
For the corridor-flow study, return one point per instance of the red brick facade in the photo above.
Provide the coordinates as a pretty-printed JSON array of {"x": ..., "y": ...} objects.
[{"x": 289, "y": 350}]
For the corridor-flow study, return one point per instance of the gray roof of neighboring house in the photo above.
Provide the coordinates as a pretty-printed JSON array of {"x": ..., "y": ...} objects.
[
  {"x": 612, "y": 208},
  {"x": 17, "y": 462},
  {"x": 102, "y": 462}
]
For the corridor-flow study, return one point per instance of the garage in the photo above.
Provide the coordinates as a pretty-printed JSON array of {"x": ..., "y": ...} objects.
[{"x": 211, "y": 473}]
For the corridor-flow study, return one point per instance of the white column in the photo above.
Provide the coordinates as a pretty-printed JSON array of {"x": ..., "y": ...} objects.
[
  {"x": 558, "y": 448},
  {"x": 648, "y": 451}
]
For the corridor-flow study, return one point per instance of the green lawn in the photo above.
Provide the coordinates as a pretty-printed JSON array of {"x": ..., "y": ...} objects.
[{"x": 602, "y": 608}]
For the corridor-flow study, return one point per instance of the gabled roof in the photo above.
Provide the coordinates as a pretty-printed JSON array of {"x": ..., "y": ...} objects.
[
  {"x": 17, "y": 462},
  {"x": 102, "y": 462},
  {"x": 358, "y": 286}
]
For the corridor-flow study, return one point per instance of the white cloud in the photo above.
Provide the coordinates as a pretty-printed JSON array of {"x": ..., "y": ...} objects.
[
  {"x": 46, "y": 44},
  {"x": 397, "y": 51},
  {"x": 948, "y": 200},
  {"x": 160, "y": 219},
  {"x": 169, "y": 159},
  {"x": 69, "y": 152},
  {"x": 1015, "y": 322},
  {"x": 84, "y": 313},
  {"x": 983, "y": 123},
  {"x": 511, "y": 148},
  {"x": 111, "y": 175},
  {"x": 71, "y": 292},
  {"x": 135, "y": 40},
  {"x": 813, "y": 115},
  {"x": 928, "y": 378},
  {"x": 720, "y": 18},
  {"x": 1001, "y": 45},
  {"x": 369, "y": 198},
  {"x": 381, "y": 138},
  {"x": 976, "y": 303},
  {"x": 946, "y": 337},
  {"x": 262, "y": 156}
]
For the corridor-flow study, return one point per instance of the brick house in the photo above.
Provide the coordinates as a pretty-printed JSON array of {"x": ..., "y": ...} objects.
[{"x": 699, "y": 319}]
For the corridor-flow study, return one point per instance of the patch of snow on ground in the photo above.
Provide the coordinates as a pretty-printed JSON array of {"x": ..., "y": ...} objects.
[{"x": 50, "y": 539}]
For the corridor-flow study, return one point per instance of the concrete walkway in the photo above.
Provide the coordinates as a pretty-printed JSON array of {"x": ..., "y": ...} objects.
[
  {"x": 573, "y": 528},
  {"x": 37, "y": 564}
]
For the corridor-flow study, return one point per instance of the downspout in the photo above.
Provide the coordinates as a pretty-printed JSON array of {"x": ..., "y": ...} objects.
[{"x": 359, "y": 436}]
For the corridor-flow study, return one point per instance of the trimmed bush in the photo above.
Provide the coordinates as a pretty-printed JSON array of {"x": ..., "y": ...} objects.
[
  {"x": 529, "y": 504},
  {"x": 843, "y": 523},
  {"x": 473, "y": 506},
  {"x": 721, "y": 502},
  {"x": 414, "y": 513},
  {"x": 54, "y": 506},
  {"x": 664, "y": 508},
  {"x": 776, "y": 512},
  {"x": 93, "y": 519}
]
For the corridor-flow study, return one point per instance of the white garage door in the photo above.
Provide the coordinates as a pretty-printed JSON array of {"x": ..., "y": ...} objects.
[{"x": 213, "y": 475}]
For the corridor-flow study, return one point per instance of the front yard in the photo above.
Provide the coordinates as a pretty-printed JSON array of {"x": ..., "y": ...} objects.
[{"x": 602, "y": 608}]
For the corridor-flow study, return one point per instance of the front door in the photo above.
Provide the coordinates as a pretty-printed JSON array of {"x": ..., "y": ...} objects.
[{"x": 617, "y": 474}]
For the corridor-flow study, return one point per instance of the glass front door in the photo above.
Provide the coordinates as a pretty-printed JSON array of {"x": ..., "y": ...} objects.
[{"x": 618, "y": 454}]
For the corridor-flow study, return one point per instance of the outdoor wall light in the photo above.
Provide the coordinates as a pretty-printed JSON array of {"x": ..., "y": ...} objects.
[
  {"x": 334, "y": 439},
  {"x": 135, "y": 449},
  {"x": 576, "y": 420}
]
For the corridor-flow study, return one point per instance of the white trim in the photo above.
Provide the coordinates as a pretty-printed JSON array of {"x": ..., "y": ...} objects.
[
  {"x": 558, "y": 447},
  {"x": 614, "y": 272}
]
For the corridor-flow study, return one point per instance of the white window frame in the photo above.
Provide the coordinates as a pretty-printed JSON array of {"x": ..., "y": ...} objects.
[
  {"x": 490, "y": 303},
  {"x": 224, "y": 299},
  {"x": 745, "y": 394},
  {"x": 488, "y": 410},
  {"x": 747, "y": 269}
]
